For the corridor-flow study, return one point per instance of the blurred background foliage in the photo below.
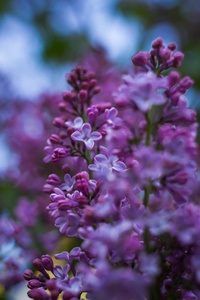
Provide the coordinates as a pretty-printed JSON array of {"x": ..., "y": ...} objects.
[
  {"x": 67, "y": 29},
  {"x": 42, "y": 40}
]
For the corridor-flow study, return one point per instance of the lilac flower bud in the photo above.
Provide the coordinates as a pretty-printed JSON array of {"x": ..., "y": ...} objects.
[
  {"x": 92, "y": 113},
  {"x": 66, "y": 168},
  {"x": 60, "y": 153},
  {"x": 121, "y": 103},
  {"x": 67, "y": 295},
  {"x": 177, "y": 59},
  {"x": 186, "y": 82},
  {"x": 91, "y": 75},
  {"x": 165, "y": 54},
  {"x": 60, "y": 123},
  {"x": 172, "y": 46},
  {"x": 157, "y": 43},
  {"x": 62, "y": 106},
  {"x": 47, "y": 262},
  {"x": 38, "y": 294},
  {"x": 34, "y": 283},
  {"x": 73, "y": 76},
  {"x": 54, "y": 294},
  {"x": 48, "y": 188},
  {"x": 103, "y": 105},
  {"x": 63, "y": 134},
  {"x": 82, "y": 181},
  {"x": 97, "y": 90},
  {"x": 67, "y": 97},
  {"x": 54, "y": 180},
  {"x": 92, "y": 83},
  {"x": 153, "y": 52},
  {"x": 175, "y": 98},
  {"x": 28, "y": 274},
  {"x": 55, "y": 139},
  {"x": 173, "y": 78},
  {"x": 51, "y": 284},
  {"x": 141, "y": 58},
  {"x": 85, "y": 77},
  {"x": 78, "y": 70},
  {"x": 38, "y": 265},
  {"x": 84, "y": 85},
  {"x": 98, "y": 188},
  {"x": 66, "y": 204},
  {"x": 70, "y": 130},
  {"x": 82, "y": 200},
  {"x": 83, "y": 95}
]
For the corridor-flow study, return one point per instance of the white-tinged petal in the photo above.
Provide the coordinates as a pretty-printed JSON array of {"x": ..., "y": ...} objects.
[
  {"x": 93, "y": 167},
  {"x": 86, "y": 130},
  {"x": 89, "y": 144},
  {"x": 101, "y": 159},
  {"x": 96, "y": 136},
  {"x": 77, "y": 136},
  {"x": 119, "y": 166}
]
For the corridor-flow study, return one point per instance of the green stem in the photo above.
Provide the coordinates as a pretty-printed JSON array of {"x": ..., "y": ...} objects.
[
  {"x": 87, "y": 155},
  {"x": 146, "y": 195},
  {"x": 83, "y": 115},
  {"x": 147, "y": 239}
]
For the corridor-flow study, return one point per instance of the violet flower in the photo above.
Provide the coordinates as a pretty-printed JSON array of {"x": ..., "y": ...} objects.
[
  {"x": 139, "y": 222},
  {"x": 101, "y": 162},
  {"x": 111, "y": 117},
  {"x": 86, "y": 136},
  {"x": 69, "y": 183},
  {"x": 76, "y": 124},
  {"x": 142, "y": 90}
]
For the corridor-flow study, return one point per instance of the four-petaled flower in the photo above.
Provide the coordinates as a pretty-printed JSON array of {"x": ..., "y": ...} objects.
[
  {"x": 78, "y": 122},
  {"x": 69, "y": 183},
  {"x": 86, "y": 136},
  {"x": 111, "y": 117},
  {"x": 110, "y": 163}
]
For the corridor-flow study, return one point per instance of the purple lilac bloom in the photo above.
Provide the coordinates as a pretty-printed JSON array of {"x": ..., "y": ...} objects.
[
  {"x": 111, "y": 117},
  {"x": 77, "y": 124},
  {"x": 142, "y": 90},
  {"x": 138, "y": 217},
  {"x": 108, "y": 163},
  {"x": 86, "y": 136},
  {"x": 69, "y": 183}
]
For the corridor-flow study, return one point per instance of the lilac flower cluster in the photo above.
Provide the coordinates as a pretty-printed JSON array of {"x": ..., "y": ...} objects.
[{"x": 128, "y": 188}]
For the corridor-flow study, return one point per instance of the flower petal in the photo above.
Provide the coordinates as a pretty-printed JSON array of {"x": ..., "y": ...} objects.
[
  {"x": 101, "y": 159},
  {"x": 77, "y": 136},
  {"x": 86, "y": 130},
  {"x": 89, "y": 144},
  {"x": 119, "y": 166},
  {"x": 96, "y": 136}
]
